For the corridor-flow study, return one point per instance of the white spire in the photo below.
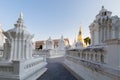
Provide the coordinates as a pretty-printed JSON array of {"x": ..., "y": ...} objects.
[
  {"x": 20, "y": 21},
  {"x": 62, "y": 37},
  {"x": 21, "y": 15},
  {"x": 49, "y": 38},
  {"x": 102, "y": 7}
]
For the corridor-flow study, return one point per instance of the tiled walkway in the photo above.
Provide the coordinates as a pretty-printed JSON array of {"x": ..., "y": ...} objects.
[{"x": 56, "y": 71}]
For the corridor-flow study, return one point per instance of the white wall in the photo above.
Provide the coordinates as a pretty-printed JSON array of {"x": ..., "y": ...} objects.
[{"x": 113, "y": 55}]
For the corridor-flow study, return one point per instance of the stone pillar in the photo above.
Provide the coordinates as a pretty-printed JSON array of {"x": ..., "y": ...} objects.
[
  {"x": 113, "y": 33},
  {"x": 100, "y": 37},
  {"x": 102, "y": 34},
  {"x": 110, "y": 32},
  {"x": 99, "y": 59},
  {"x": 12, "y": 50},
  {"x": 26, "y": 50},
  {"x": 99, "y": 34},
  {"x": 105, "y": 33},
  {"x": 16, "y": 48},
  {"x": 92, "y": 37},
  {"x": 20, "y": 47},
  {"x": 94, "y": 56},
  {"x": 119, "y": 32},
  {"x": 86, "y": 56},
  {"x": 81, "y": 55}
]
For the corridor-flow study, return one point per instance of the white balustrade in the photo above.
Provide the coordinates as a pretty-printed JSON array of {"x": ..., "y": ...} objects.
[{"x": 89, "y": 54}]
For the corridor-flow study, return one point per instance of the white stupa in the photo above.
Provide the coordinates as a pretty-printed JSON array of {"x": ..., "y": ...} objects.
[
  {"x": 17, "y": 62},
  {"x": 61, "y": 44},
  {"x": 49, "y": 43}
]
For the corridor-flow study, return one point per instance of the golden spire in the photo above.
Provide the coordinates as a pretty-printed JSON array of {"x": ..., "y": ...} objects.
[{"x": 80, "y": 37}]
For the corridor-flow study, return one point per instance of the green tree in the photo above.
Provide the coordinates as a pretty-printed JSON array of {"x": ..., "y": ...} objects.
[{"x": 87, "y": 40}]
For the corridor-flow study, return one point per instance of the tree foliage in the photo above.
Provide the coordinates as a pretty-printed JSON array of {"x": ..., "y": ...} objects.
[{"x": 87, "y": 40}]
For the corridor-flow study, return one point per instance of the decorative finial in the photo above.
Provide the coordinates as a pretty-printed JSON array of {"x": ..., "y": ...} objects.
[
  {"x": 102, "y": 7},
  {"x": 61, "y": 37},
  {"x": 21, "y": 15},
  {"x": 80, "y": 29},
  {"x": 49, "y": 38}
]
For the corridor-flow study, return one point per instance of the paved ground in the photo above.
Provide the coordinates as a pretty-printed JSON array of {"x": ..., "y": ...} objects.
[{"x": 56, "y": 71}]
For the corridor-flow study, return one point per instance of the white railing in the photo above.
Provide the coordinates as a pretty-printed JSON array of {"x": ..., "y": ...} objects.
[
  {"x": 6, "y": 68},
  {"x": 49, "y": 53},
  {"x": 89, "y": 54},
  {"x": 93, "y": 59},
  {"x": 33, "y": 62},
  {"x": 28, "y": 67}
]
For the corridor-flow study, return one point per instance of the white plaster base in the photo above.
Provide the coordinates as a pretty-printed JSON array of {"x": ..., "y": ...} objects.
[
  {"x": 33, "y": 76},
  {"x": 86, "y": 73},
  {"x": 23, "y": 70}
]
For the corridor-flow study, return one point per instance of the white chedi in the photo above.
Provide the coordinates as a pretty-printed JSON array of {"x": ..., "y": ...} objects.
[
  {"x": 105, "y": 27},
  {"x": 78, "y": 45},
  {"x": 17, "y": 62},
  {"x": 49, "y": 43},
  {"x": 18, "y": 44},
  {"x": 2, "y": 38},
  {"x": 61, "y": 44}
]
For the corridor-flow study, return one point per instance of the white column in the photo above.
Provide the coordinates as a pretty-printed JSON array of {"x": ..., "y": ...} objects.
[
  {"x": 26, "y": 50},
  {"x": 110, "y": 32},
  {"x": 81, "y": 55},
  {"x": 119, "y": 32},
  {"x": 12, "y": 49},
  {"x": 108, "y": 37},
  {"x": 105, "y": 36},
  {"x": 100, "y": 34},
  {"x": 113, "y": 33},
  {"x": 15, "y": 54},
  {"x": 94, "y": 56},
  {"x": 29, "y": 49},
  {"x": 93, "y": 37},
  {"x": 20, "y": 49},
  {"x": 99, "y": 60}
]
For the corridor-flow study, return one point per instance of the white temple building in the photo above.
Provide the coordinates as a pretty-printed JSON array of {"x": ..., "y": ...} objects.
[
  {"x": 2, "y": 37},
  {"x": 53, "y": 48},
  {"x": 61, "y": 44},
  {"x": 49, "y": 44},
  {"x": 105, "y": 32},
  {"x": 17, "y": 62},
  {"x": 100, "y": 60},
  {"x": 105, "y": 27},
  {"x": 2, "y": 41}
]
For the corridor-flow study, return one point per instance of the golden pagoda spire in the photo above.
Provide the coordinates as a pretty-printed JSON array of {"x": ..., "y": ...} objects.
[{"x": 80, "y": 37}]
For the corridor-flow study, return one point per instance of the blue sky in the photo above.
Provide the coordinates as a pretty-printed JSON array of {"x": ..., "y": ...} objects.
[{"x": 54, "y": 18}]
